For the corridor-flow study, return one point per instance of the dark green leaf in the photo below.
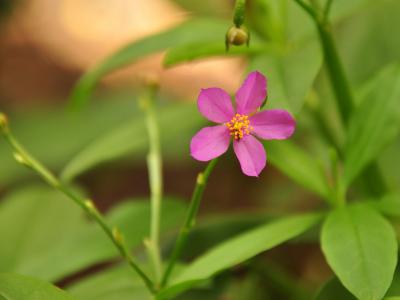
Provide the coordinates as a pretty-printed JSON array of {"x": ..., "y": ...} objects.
[
  {"x": 361, "y": 248},
  {"x": 17, "y": 287},
  {"x": 239, "y": 249},
  {"x": 375, "y": 123}
]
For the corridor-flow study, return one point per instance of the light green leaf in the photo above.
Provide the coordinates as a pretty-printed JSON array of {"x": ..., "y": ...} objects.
[
  {"x": 33, "y": 220},
  {"x": 239, "y": 249},
  {"x": 392, "y": 298},
  {"x": 199, "y": 50},
  {"x": 117, "y": 283},
  {"x": 361, "y": 248},
  {"x": 131, "y": 139},
  {"x": 18, "y": 287},
  {"x": 375, "y": 123},
  {"x": 298, "y": 165},
  {"x": 191, "y": 31}
]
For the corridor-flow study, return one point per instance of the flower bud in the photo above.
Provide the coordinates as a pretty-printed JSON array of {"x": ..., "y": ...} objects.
[
  {"x": 237, "y": 36},
  {"x": 22, "y": 160},
  {"x": 3, "y": 121}
]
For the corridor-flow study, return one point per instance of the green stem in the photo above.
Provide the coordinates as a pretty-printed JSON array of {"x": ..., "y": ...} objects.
[
  {"x": 201, "y": 183},
  {"x": 154, "y": 162},
  {"x": 372, "y": 178},
  {"x": 23, "y": 157},
  {"x": 239, "y": 12},
  {"x": 336, "y": 73}
]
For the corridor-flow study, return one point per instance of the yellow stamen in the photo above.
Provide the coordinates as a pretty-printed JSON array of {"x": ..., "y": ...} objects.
[{"x": 239, "y": 126}]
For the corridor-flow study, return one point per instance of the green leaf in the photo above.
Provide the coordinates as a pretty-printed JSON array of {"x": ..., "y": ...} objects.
[
  {"x": 131, "y": 139},
  {"x": 334, "y": 290},
  {"x": 199, "y": 50},
  {"x": 33, "y": 220},
  {"x": 375, "y": 123},
  {"x": 18, "y": 287},
  {"x": 388, "y": 205},
  {"x": 239, "y": 249},
  {"x": 290, "y": 73},
  {"x": 298, "y": 165},
  {"x": 117, "y": 283},
  {"x": 361, "y": 248},
  {"x": 191, "y": 31}
]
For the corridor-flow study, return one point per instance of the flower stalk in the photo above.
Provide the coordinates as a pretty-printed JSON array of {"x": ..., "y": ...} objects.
[
  {"x": 180, "y": 243},
  {"x": 22, "y": 156},
  {"x": 154, "y": 163}
]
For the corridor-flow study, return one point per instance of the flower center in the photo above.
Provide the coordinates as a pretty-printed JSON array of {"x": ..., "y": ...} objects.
[{"x": 239, "y": 126}]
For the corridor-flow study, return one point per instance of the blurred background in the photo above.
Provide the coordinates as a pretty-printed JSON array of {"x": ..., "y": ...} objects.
[{"x": 46, "y": 45}]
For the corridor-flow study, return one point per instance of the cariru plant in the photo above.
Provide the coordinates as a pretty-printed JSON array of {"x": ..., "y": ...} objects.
[{"x": 355, "y": 228}]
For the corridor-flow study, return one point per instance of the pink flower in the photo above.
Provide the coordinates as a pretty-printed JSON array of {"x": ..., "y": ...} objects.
[{"x": 243, "y": 125}]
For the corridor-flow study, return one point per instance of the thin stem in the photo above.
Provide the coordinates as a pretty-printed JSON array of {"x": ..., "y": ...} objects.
[
  {"x": 23, "y": 157},
  {"x": 239, "y": 12},
  {"x": 307, "y": 8},
  {"x": 201, "y": 183},
  {"x": 327, "y": 9},
  {"x": 154, "y": 163},
  {"x": 372, "y": 177}
]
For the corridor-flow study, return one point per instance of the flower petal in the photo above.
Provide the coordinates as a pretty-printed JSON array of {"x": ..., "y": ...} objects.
[
  {"x": 215, "y": 104},
  {"x": 274, "y": 124},
  {"x": 210, "y": 142},
  {"x": 251, "y": 94},
  {"x": 251, "y": 155}
]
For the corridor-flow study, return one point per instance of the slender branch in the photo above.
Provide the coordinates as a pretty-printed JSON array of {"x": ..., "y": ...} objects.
[
  {"x": 239, "y": 12},
  {"x": 201, "y": 183},
  {"x": 327, "y": 9},
  {"x": 372, "y": 178},
  {"x": 307, "y": 8},
  {"x": 23, "y": 157},
  {"x": 154, "y": 163}
]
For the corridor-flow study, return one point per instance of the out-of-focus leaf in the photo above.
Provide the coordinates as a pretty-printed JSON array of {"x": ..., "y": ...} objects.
[
  {"x": 118, "y": 283},
  {"x": 361, "y": 248},
  {"x": 298, "y": 165},
  {"x": 375, "y": 123},
  {"x": 191, "y": 31},
  {"x": 189, "y": 52},
  {"x": 39, "y": 130},
  {"x": 290, "y": 74},
  {"x": 32, "y": 222},
  {"x": 334, "y": 290},
  {"x": 17, "y": 287},
  {"x": 388, "y": 205},
  {"x": 131, "y": 138},
  {"x": 361, "y": 58},
  {"x": 239, "y": 249}
]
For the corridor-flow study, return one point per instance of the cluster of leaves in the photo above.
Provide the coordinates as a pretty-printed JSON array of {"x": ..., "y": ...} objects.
[{"x": 49, "y": 239}]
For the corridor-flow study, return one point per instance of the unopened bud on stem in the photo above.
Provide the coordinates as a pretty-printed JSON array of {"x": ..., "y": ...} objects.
[{"x": 237, "y": 36}]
